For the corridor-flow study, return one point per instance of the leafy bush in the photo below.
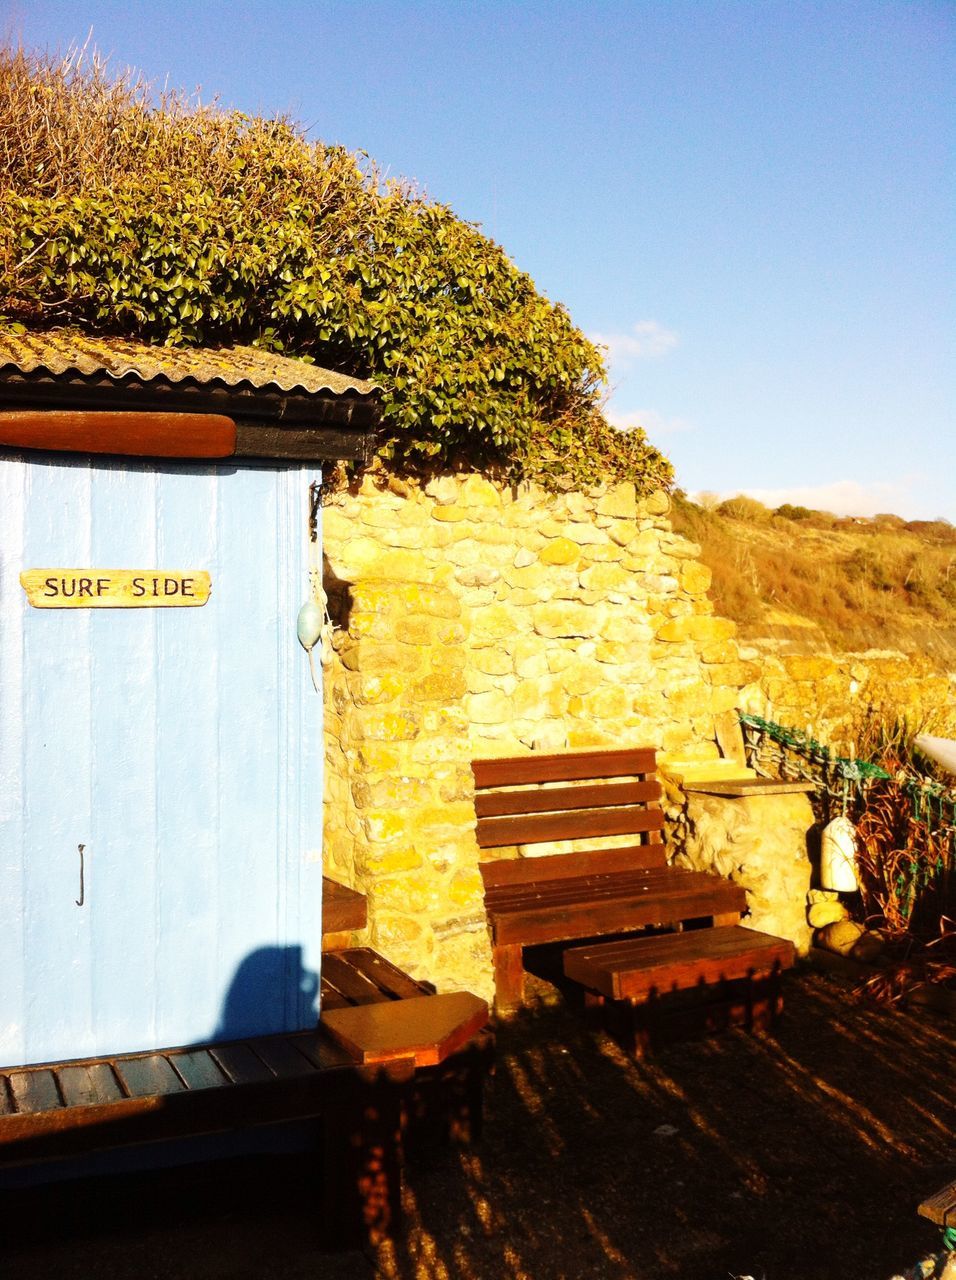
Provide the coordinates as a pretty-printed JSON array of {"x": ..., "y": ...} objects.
[
  {"x": 183, "y": 224},
  {"x": 743, "y": 508}
]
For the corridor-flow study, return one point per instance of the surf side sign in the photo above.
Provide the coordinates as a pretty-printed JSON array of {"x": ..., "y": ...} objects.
[{"x": 115, "y": 588}]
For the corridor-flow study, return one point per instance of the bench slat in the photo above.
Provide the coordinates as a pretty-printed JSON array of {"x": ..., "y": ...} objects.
[
  {"x": 240, "y": 1064},
  {"x": 653, "y": 883},
  {"x": 34, "y": 1090},
  {"x": 88, "y": 1084},
  {"x": 613, "y": 914},
  {"x": 567, "y": 866},
  {"x": 578, "y": 824},
  {"x": 343, "y": 977},
  {"x": 634, "y": 969},
  {"x": 199, "y": 1069},
  {"x": 282, "y": 1058},
  {"x": 548, "y": 799},
  {"x": 148, "y": 1076},
  {"x": 941, "y": 1207},
  {"x": 537, "y": 767},
  {"x": 385, "y": 975}
]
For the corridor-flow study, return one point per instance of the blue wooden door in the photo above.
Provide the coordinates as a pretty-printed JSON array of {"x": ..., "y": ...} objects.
[{"x": 181, "y": 747}]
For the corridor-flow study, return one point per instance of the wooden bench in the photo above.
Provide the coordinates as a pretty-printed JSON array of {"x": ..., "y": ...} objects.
[
  {"x": 362, "y": 1085},
  {"x": 599, "y": 891},
  {"x": 941, "y": 1209}
]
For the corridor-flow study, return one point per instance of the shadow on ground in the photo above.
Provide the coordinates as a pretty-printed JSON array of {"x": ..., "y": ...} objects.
[{"x": 798, "y": 1156}]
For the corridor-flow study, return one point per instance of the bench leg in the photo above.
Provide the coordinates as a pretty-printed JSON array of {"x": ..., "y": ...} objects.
[
  {"x": 509, "y": 977},
  {"x": 362, "y": 1171}
]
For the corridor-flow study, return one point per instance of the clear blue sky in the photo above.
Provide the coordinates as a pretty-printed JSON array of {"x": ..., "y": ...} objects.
[{"x": 749, "y": 201}]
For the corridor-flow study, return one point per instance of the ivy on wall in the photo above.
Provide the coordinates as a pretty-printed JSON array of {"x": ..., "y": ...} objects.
[{"x": 184, "y": 224}]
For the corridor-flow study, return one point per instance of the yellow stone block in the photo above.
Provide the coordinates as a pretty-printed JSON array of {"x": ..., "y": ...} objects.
[
  {"x": 387, "y": 859},
  {"x": 438, "y": 688},
  {"x": 614, "y": 652},
  {"x": 695, "y": 578},
  {"x": 459, "y": 815},
  {"x": 610, "y": 702},
  {"x": 372, "y": 689},
  {"x": 398, "y": 936},
  {"x": 452, "y": 513},
  {"x": 375, "y": 657},
  {"x": 602, "y": 553},
  {"x": 590, "y": 735},
  {"x": 686, "y": 699},
  {"x": 493, "y": 622},
  {"x": 581, "y": 676},
  {"x": 718, "y": 652},
  {"x": 491, "y": 707},
  {"x": 697, "y": 627},
  {"x": 736, "y": 674},
  {"x": 621, "y": 501},
  {"x": 385, "y": 726},
  {"x": 476, "y": 491},
  {"x": 438, "y": 601},
  {"x": 530, "y": 658},
  {"x": 493, "y": 662},
  {"x": 527, "y": 578},
  {"x": 809, "y": 668},
  {"x": 379, "y": 758},
  {"x": 416, "y": 630},
  {"x": 623, "y": 532},
  {"x": 465, "y": 888},
  {"x": 530, "y": 697},
  {"x": 559, "y": 618},
  {"x": 381, "y": 825},
  {"x": 560, "y": 551},
  {"x": 605, "y": 577},
  {"x": 657, "y": 503}
]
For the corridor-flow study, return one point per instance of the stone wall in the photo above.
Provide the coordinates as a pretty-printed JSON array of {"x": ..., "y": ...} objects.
[
  {"x": 836, "y": 693},
  {"x": 477, "y": 620},
  {"x": 761, "y": 842}
]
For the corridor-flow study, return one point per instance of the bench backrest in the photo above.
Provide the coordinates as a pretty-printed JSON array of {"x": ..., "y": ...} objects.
[{"x": 579, "y": 795}]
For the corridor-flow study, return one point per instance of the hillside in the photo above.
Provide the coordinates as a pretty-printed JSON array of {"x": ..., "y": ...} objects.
[{"x": 803, "y": 581}]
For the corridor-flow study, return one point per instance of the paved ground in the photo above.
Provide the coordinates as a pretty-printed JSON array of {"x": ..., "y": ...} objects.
[{"x": 796, "y": 1157}]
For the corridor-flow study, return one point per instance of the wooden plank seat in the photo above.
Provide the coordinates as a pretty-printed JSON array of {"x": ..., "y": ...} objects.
[
  {"x": 729, "y": 974},
  {"x": 452, "y": 1045},
  {"x": 638, "y": 968},
  {"x": 60, "y": 1110},
  {"x": 584, "y": 796},
  {"x": 363, "y": 1099},
  {"x": 941, "y": 1209}
]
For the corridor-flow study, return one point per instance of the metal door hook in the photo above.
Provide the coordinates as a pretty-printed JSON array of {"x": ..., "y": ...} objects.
[{"x": 79, "y": 900}]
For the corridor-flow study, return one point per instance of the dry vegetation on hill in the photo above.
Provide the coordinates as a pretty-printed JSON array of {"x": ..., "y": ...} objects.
[{"x": 875, "y": 583}]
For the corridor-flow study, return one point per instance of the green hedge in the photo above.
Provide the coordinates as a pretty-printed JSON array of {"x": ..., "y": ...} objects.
[{"x": 183, "y": 224}]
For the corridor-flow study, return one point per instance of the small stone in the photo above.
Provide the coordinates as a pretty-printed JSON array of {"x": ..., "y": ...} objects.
[
  {"x": 868, "y": 947},
  {"x": 841, "y": 936},
  {"x": 524, "y": 558},
  {"x": 823, "y": 913},
  {"x": 665, "y": 1131}
]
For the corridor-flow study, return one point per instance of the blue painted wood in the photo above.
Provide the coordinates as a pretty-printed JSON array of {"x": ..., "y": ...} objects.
[{"x": 182, "y": 747}]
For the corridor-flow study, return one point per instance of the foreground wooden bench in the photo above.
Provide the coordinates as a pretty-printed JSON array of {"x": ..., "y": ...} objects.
[
  {"x": 941, "y": 1209},
  {"x": 361, "y": 1085},
  {"x": 597, "y": 891}
]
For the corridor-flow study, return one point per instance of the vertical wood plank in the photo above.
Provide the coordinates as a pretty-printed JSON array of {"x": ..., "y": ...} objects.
[
  {"x": 124, "y": 851},
  {"x": 56, "y": 798},
  {"x": 13, "y": 477},
  {"x": 189, "y": 764}
]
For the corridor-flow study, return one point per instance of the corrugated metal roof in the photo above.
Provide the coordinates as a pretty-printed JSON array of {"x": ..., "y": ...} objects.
[{"x": 69, "y": 353}]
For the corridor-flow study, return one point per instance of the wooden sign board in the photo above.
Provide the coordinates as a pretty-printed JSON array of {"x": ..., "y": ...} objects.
[{"x": 115, "y": 588}]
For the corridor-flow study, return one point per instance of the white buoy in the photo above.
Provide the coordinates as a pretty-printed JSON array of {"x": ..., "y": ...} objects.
[{"x": 838, "y": 856}]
